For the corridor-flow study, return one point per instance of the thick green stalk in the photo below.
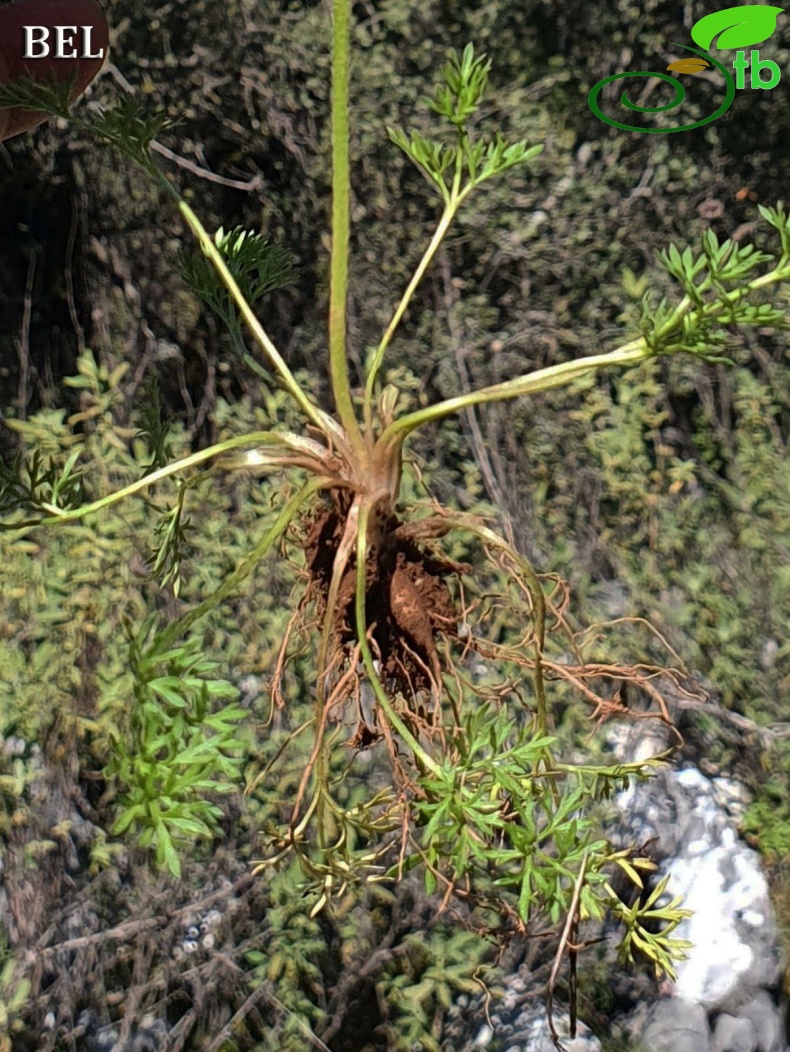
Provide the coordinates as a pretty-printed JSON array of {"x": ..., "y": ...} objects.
[
  {"x": 542, "y": 380},
  {"x": 320, "y": 755},
  {"x": 322, "y": 420},
  {"x": 430, "y": 252},
  {"x": 453, "y": 198},
  {"x": 559, "y": 375},
  {"x": 73, "y": 514},
  {"x": 311, "y": 411},
  {"x": 341, "y": 182}
]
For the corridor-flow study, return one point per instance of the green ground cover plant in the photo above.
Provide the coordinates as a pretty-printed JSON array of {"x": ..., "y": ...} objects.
[{"x": 390, "y": 612}]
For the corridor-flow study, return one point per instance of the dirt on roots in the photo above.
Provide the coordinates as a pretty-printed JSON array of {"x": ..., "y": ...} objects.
[{"x": 408, "y": 604}]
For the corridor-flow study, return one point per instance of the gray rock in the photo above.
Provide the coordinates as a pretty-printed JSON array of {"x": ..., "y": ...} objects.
[
  {"x": 731, "y": 1034},
  {"x": 521, "y": 1027},
  {"x": 613, "y": 598},
  {"x": 733, "y": 928},
  {"x": 736, "y": 947},
  {"x": 538, "y": 1035},
  {"x": 767, "y": 1020},
  {"x": 731, "y": 796},
  {"x": 677, "y": 1026}
]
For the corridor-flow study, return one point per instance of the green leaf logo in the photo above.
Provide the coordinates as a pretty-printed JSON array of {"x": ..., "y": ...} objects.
[{"x": 736, "y": 26}]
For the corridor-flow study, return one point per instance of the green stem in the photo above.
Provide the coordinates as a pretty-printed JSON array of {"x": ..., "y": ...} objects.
[
  {"x": 320, "y": 754},
  {"x": 72, "y": 515},
  {"x": 542, "y": 380},
  {"x": 447, "y": 217},
  {"x": 709, "y": 310},
  {"x": 453, "y": 198},
  {"x": 631, "y": 353},
  {"x": 322, "y": 420},
  {"x": 177, "y": 628},
  {"x": 252, "y": 363},
  {"x": 311, "y": 411},
  {"x": 672, "y": 323},
  {"x": 367, "y": 657},
  {"x": 338, "y": 365},
  {"x": 773, "y": 277}
]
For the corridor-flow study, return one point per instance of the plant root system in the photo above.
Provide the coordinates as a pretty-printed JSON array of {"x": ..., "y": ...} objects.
[{"x": 409, "y": 605}]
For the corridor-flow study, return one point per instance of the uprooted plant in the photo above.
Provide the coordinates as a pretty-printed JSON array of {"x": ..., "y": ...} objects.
[{"x": 479, "y": 798}]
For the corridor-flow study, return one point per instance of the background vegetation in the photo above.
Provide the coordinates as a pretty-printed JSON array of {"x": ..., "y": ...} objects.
[{"x": 660, "y": 493}]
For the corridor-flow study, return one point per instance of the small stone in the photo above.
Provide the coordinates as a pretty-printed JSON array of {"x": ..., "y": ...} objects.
[
  {"x": 768, "y": 653},
  {"x": 105, "y": 1040},
  {"x": 211, "y": 920},
  {"x": 710, "y": 208},
  {"x": 766, "y": 1018},
  {"x": 733, "y": 1035},
  {"x": 677, "y": 1026},
  {"x": 484, "y": 1035}
]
